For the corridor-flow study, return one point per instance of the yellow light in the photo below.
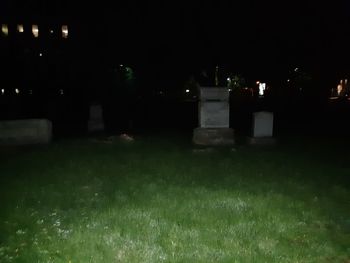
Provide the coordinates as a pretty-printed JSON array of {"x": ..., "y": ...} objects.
[
  {"x": 65, "y": 31},
  {"x": 35, "y": 30},
  {"x": 20, "y": 28},
  {"x": 4, "y": 29}
]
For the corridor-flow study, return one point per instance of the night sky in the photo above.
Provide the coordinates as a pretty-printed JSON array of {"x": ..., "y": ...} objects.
[
  {"x": 250, "y": 37},
  {"x": 246, "y": 35}
]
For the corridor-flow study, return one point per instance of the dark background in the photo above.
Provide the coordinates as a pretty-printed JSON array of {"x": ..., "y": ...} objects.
[{"x": 165, "y": 42}]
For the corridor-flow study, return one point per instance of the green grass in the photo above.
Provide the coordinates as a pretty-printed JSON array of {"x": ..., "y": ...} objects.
[{"x": 154, "y": 200}]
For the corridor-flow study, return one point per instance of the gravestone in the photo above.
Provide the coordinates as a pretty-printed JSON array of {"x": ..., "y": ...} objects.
[
  {"x": 262, "y": 132},
  {"x": 214, "y": 118},
  {"x": 96, "y": 123},
  {"x": 29, "y": 131}
]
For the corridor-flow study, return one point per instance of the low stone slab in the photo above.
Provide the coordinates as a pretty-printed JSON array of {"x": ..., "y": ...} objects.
[
  {"x": 261, "y": 140},
  {"x": 213, "y": 136},
  {"x": 29, "y": 131}
]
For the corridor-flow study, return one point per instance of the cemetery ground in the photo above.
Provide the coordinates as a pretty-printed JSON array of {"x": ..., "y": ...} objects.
[{"x": 157, "y": 200}]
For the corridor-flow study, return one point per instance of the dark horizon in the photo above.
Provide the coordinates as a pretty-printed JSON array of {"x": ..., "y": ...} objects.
[{"x": 250, "y": 38}]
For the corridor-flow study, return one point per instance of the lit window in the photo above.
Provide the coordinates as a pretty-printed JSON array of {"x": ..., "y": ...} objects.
[
  {"x": 20, "y": 28},
  {"x": 2, "y": 91},
  {"x": 4, "y": 29},
  {"x": 35, "y": 30},
  {"x": 17, "y": 91},
  {"x": 65, "y": 31}
]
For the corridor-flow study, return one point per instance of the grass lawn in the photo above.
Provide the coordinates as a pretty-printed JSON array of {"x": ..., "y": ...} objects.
[{"x": 155, "y": 200}]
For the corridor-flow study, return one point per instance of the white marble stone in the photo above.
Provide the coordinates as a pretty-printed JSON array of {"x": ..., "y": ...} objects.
[{"x": 262, "y": 124}]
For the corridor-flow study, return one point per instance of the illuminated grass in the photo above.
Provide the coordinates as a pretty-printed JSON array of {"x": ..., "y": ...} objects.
[{"x": 156, "y": 201}]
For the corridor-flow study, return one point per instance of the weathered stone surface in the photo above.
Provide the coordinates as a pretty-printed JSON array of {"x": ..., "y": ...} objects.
[
  {"x": 96, "y": 122},
  {"x": 214, "y": 114},
  {"x": 213, "y": 136},
  {"x": 214, "y": 108},
  {"x": 29, "y": 131},
  {"x": 214, "y": 93},
  {"x": 262, "y": 124}
]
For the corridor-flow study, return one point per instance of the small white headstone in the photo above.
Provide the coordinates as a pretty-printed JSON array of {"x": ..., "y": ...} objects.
[{"x": 262, "y": 124}]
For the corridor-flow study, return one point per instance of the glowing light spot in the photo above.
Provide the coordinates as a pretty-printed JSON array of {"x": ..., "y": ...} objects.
[
  {"x": 20, "y": 28},
  {"x": 35, "y": 30},
  {"x": 262, "y": 87},
  {"x": 2, "y": 91},
  {"x": 258, "y": 82},
  {"x": 17, "y": 91},
  {"x": 40, "y": 54},
  {"x": 51, "y": 31},
  {"x": 187, "y": 91},
  {"x": 61, "y": 92},
  {"x": 4, "y": 29},
  {"x": 229, "y": 90},
  {"x": 65, "y": 31}
]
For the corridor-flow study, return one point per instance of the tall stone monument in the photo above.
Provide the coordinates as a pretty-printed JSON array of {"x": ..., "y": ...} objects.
[
  {"x": 214, "y": 118},
  {"x": 96, "y": 123}
]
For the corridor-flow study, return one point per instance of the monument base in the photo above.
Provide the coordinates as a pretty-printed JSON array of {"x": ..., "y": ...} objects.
[
  {"x": 95, "y": 126},
  {"x": 261, "y": 140},
  {"x": 213, "y": 136}
]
